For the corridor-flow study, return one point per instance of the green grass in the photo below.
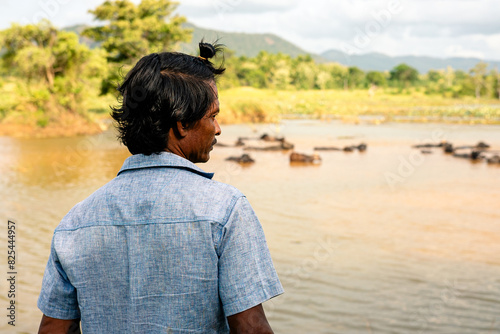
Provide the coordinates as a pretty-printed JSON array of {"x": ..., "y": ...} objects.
[
  {"x": 247, "y": 104},
  {"x": 20, "y": 106}
]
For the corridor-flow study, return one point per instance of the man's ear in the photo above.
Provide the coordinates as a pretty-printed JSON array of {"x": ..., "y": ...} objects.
[{"x": 182, "y": 129}]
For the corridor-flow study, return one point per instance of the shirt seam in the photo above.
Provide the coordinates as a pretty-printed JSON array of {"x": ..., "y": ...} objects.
[
  {"x": 266, "y": 293},
  {"x": 42, "y": 302},
  {"x": 187, "y": 168},
  {"x": 148, "y": 222},
  {"x": 232, "y": 205}
]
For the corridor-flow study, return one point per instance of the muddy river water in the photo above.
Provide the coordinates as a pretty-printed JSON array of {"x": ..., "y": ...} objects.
[{"x": 385, "y": 241}]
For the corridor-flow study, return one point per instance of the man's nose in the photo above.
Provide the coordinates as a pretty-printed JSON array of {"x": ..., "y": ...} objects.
[{"x": 217, "y": 128}]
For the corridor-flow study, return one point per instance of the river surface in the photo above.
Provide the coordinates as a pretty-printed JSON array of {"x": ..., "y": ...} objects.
[{"x": 385, "y": 241}]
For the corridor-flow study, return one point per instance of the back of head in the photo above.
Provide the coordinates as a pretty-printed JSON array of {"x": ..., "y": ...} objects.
[{"x": 162, "y": 89}]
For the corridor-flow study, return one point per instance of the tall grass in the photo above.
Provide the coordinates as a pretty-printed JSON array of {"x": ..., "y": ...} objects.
[
  {"x": 246, "y": 104},
  {"x": 35, "y": 113}
]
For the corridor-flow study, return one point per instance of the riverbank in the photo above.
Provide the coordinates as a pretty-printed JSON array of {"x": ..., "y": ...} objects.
[
  {"x": 246, "y": 104},
  {"x": 250, "y": 105},
  {"x": 34, "y": 113}
]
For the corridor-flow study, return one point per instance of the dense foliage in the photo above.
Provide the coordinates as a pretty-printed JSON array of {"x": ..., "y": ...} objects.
[
  {"x": 279, "y": 71},
  {"x": 52, "y": 70},
  {"x": 46, "y": 72},
  {"x": 132, "y": 31}
]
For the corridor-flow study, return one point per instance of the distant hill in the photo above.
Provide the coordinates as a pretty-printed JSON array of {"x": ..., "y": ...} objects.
[
  {"x": 244, "y": 44},
  {"x": 241, "y": 43},
  {"x": 380, "y": 62},
  {"x": 250, "y": 45}
]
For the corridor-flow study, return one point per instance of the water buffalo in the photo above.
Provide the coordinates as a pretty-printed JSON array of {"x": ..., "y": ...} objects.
[
  {"x": 493, "y": 160},
  {"x": 479, "y": 146},
  {"x": 283, "y": 146},
  {"x": 482, "y": 145},
  {"x": 266, "y": 137},
  {"x": 361, "y": 147},
  {"x": 327, "y": 148},
  {"x": 348, "y": 149},
  {"x": 305, "y": 158},
  {"x": 448, "y": 148},
  {"x": 240, "y": 142},
  {"x": 429, "y": 145},
  {"x": 244, "y": 159},
  {"x": 472, "y": 155}
]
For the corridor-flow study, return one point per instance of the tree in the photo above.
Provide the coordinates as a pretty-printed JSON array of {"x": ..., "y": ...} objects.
[
  {"x": 376, "y": 78},
  {"x": 42, "y": 55},
  {"x": 280, "y": 73},
  {"x": 303, "y": 72},
  {"x": 42, "y": 52},
  {"x": 232, "y": 64},
  {"x": 356, "y": 77},
  {"x": 478, "y": 74},
  {"x": 255, "y": 72},
  {"x": 495, "y": 76},
  {"x": 133, "y": 31},
  {"x": 404, "y": 75},
  {"x": 339, "y": 75},
  {"x": 435, "y": 82},
  {"x": 329, "y": 75},
  {"x": 449, "y": 76},
  {"x": 435, "y": 76},
  {"x": 464, "y": 84}
]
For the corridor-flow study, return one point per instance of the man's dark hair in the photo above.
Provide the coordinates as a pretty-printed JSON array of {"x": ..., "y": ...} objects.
[{"x": 162, "y": 89}]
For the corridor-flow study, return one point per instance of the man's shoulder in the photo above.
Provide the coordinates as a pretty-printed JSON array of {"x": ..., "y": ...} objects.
[
  {"x": 214, "y": 187},
  {"x": 199, "y": 197},
  {"x": 215, "y": 198},
  {"x": 84, "y": 208}
]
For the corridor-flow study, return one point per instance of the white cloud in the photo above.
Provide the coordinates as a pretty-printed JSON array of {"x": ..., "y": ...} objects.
[
  {"x": 457, "y": 50},
  {"x": 222, "y": 8},
  {"x": 493, "y": 43},
  {"x": 422, "y": 27}
]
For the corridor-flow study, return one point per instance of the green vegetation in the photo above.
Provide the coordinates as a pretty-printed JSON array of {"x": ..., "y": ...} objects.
[
  {"x": 48, "y": 76},
  {"x": 132, "y": 31},
  {"x": 404, "y": 75},
  {"x": 245, "y": 104},
  {"x": 51, "y": 84},
  {"x": 279, "y": 71}
]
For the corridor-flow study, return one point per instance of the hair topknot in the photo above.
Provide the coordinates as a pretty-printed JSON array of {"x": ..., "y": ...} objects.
[{"x": 207, "y": 50}]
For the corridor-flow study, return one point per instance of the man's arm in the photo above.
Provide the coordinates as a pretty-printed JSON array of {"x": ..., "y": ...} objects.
[
  {"x": 251, "y": 321},
  {"x": 50, "y": 325}
]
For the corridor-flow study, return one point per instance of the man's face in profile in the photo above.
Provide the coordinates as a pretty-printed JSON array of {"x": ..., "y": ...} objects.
[{"x": 201, "y": 135}]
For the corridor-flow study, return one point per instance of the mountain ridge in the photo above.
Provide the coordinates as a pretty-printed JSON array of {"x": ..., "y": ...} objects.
[
  {"x": 250, "y": 44},
  {"x": 244, "y": 44},
  {"x": 375, "y": 61}
]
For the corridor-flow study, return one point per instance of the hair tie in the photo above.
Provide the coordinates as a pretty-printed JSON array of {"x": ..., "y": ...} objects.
[{"x": 202, "y": 58}]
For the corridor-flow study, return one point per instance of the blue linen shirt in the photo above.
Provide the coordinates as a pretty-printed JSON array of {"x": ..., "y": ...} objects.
[{"x": 161, "y": 248}]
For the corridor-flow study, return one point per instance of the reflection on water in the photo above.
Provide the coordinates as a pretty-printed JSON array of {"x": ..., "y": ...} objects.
[{"x": 363, "y": 243}]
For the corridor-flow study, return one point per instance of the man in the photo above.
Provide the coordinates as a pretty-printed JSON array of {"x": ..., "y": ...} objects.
[{"x": 161, "y": 248}]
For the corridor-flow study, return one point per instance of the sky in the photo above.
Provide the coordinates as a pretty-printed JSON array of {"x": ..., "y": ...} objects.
[{"x": 436, "y": 28}]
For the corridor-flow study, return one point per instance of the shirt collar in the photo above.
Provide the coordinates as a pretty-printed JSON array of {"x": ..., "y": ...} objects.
[{"x": 164, "y": 159}]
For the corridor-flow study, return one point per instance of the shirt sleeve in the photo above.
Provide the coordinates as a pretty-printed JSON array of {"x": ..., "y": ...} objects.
[
  {"x": 246, "y": 273},
  {"x": 58, "y": 298}
]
